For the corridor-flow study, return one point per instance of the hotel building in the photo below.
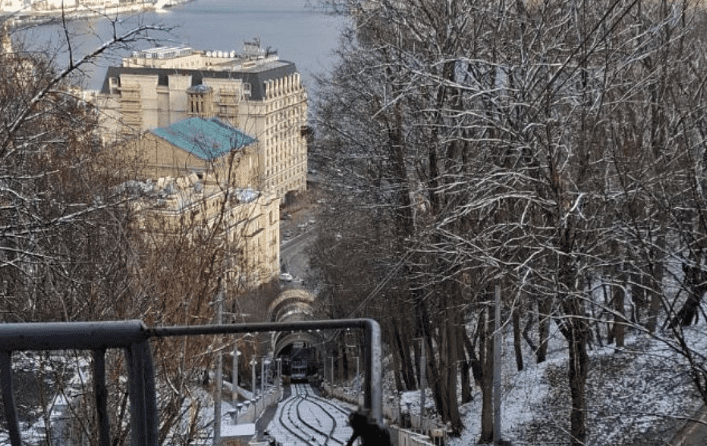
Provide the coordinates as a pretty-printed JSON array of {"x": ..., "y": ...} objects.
[{"x": 251, "y": 90}]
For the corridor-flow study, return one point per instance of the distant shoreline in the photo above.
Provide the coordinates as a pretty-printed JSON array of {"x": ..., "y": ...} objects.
[{"x": 21, "y": 18}]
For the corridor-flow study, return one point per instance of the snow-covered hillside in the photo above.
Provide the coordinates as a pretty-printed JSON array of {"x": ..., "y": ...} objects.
[{"x": 639, "y": 395}]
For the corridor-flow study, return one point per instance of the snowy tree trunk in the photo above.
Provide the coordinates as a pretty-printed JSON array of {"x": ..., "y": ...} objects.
[{"x": 487, "y": 377}]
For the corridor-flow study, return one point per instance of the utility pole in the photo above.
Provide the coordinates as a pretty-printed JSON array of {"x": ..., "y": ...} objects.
[
  {"x": 262, "y": 376},
  {"x": 252, "y": 366},
  {"x": 357, "y": 380},
  {"x": 234, "y": 375},
  {"x": 497, "y": 367},
  {"x": 219, "y": 371},
  {"x": 255, "y": 403},
  {"x": 279, "y": 376}
]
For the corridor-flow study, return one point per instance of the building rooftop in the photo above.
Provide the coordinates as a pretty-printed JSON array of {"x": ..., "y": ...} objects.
[
  {"x": 169, "y": 195},
  {"x": 207, "y": 139},
  {"x": 250, "y": 66}
]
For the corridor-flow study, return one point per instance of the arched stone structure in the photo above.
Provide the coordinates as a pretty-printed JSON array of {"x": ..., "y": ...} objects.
[
  {"x": 286, "y": 339},
  {"x": 293, "y": 305},
  {"x": 288, "y": 298}
]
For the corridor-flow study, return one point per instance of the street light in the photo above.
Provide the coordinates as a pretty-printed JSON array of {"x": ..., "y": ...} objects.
[
  {"x": 252, "y": 366},
  {"x": 234, "y": 375},
  {"x": 279, "y": 376},
  {"x": 357, "y": 381},
  {"x": 263, "y": 363}
]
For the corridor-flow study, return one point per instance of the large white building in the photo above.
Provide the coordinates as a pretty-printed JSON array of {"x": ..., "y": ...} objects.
[
  {"x": 245, "y": 220},
  {"x": 251, "y": 90},
  {"x": 39, "y": 6},
  {"x": 82, "y": 8}
]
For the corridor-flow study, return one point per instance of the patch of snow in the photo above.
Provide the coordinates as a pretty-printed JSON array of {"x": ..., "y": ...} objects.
[
  {"x": 637, "y": 395},
  {"x": 237, "y": 430}
]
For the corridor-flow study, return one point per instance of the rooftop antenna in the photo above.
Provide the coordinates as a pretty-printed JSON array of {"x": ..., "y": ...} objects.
[{"x": 252, "y": 48}]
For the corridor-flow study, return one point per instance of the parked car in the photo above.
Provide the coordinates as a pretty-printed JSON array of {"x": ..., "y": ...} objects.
[{"x": 286, "y": 277}]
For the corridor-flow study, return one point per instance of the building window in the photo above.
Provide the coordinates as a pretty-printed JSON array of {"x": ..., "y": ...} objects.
[{"x": 113, "y": 84}]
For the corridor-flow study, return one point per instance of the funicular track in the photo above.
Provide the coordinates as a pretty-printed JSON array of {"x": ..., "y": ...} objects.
[{"x": 313, "y": 420}]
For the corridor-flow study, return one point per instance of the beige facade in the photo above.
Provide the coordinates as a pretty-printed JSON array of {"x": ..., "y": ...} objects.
[
  {"x": 206, "y": 147},
  {"x": 193, "y": 205},
  {"x": 251, "y": 90}
]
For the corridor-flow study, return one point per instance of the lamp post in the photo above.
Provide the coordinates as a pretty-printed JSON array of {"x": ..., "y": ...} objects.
[
  {"x": 279, "y": 376},
  {"x": 255, "y": 401},
  {"x": 332, "y": 371},
  {"x": 219, "y": 371},
  {"x": 252, "y": 366},
  {"x": 263, "y": 363},
  {"x": 357, "y": 380},
  {"x": 234, "y": 375}
]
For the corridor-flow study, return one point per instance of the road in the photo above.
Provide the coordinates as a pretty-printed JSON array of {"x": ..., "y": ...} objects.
[{"x": 293, "y": 255}]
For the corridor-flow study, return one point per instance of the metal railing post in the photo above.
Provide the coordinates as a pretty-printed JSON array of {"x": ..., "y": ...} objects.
[
  {"x": 134, "y": 338},
  {"x": 143, "y": 404},
  {"x": 136, "y": 393},
  {"x": 152, "y": 415},
  {"x": 8, "y": 398},
  {"x": 373, "y": 396},
  {"x": 99, "y": 387}
]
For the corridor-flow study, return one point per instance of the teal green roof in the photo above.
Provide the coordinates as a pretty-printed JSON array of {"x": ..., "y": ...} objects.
[{"x": 207, "y": 139}]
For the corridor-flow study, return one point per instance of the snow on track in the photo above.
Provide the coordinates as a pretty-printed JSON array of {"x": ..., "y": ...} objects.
[{"x": 306, "y": 419}]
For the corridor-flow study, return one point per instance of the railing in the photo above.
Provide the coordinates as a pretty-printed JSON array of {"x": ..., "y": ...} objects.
[
  {"x": 133, "y": 337},
  {"x": 249, "y": 411},
  {"x": 403, "y": 437},
  {"x": 420, "y": 431}
]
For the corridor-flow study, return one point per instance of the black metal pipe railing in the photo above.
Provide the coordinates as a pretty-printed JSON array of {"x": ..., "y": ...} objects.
[{"x": 133, "y": 337}]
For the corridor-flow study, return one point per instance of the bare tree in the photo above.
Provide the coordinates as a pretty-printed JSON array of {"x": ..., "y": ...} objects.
[{"x": 527, "y": 145}]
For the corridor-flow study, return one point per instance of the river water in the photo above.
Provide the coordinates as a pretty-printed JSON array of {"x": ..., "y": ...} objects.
[{"x": 299, "y": 32}]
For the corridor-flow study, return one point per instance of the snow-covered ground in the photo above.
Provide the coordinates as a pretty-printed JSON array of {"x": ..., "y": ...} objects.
[{"x": 639, "y": 395}]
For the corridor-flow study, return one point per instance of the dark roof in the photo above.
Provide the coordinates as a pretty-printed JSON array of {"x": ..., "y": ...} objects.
[
  {"x": 207, "y": 139},
  {"x": 256, "y": 76}
]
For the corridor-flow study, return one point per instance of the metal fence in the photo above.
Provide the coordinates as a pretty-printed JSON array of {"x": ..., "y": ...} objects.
[
  {"x": 134, "y": 338},
  {"x": 419, "y": 432}
]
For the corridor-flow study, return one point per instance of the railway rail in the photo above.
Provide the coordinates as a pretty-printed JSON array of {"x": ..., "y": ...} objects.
[{"x": 306, "y": 419}]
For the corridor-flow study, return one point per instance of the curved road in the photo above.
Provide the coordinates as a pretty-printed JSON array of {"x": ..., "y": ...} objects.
[{"x": 293, "y": 255}]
